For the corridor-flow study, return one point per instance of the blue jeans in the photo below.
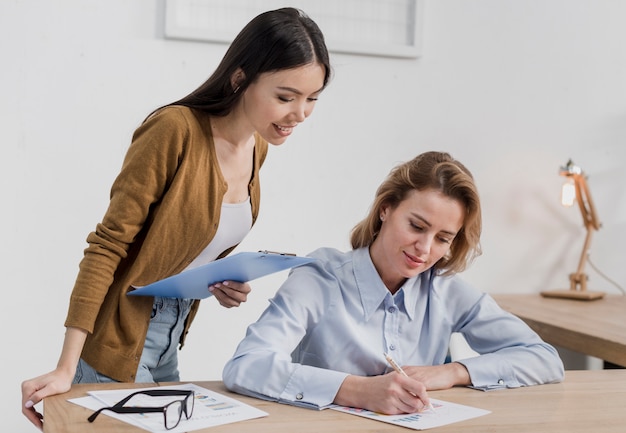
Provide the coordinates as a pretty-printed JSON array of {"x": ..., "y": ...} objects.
[{"x": 159, "y": 359}]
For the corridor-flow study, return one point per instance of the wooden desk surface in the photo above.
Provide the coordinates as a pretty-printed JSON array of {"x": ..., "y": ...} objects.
[
  {"x": 596, "y": 328},
  {"x": 587, "y": 401}
]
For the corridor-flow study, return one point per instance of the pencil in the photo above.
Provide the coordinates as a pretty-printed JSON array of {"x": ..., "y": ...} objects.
[{"x": 399, "y": 370}]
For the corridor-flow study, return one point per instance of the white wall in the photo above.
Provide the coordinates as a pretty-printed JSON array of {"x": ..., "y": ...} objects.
[{"x": 511, "y": 88}]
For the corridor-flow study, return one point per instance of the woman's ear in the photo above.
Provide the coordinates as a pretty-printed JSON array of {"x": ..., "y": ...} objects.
[
  {"x": 383, "y": 212},
  {"x": 237, "y": 79}
]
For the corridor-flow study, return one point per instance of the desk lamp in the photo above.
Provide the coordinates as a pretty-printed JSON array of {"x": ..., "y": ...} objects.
[{"x": 576, "y": 188}]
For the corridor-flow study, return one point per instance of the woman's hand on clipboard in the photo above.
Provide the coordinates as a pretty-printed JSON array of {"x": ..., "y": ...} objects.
[{"x": 230, "y": 293}]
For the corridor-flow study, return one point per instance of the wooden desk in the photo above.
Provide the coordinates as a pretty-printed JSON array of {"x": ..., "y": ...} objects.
[
  {"x": 596, "y": 328},
  {"x": 587, "y": 401}
]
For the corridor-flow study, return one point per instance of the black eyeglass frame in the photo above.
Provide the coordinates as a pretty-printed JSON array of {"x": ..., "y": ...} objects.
[{"x": 120, "y": 408}]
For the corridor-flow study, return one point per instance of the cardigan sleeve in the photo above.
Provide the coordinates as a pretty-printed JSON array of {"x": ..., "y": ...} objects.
[{"x": 149, "y": 165}]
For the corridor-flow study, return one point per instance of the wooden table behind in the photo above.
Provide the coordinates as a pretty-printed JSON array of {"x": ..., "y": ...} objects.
[
  {"x": 587, "y": 401},
  {"x": 596, "y": 328}
]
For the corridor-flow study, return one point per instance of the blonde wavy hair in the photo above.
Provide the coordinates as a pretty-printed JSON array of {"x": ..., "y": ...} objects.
[{"x": 440, "y": 172}]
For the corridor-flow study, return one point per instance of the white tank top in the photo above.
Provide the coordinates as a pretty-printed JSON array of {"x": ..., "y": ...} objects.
[{"x": 235, "y": 223}]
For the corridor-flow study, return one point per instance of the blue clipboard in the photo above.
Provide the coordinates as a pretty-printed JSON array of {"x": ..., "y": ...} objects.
[{"x": 242, "y": 267}]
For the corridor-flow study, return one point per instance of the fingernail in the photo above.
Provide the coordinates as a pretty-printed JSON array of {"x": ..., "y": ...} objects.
[{"x": 29, "y": 404}]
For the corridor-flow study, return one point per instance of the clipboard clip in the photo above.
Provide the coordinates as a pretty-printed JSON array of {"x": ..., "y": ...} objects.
[{"x": 276, "y": 252}]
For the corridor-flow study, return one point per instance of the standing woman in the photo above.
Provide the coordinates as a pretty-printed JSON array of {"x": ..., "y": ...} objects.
[{"x": 188, "y": 193}]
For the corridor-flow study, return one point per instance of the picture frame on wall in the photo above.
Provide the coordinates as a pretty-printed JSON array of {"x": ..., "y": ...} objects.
[{"x": 388, "y": 28}]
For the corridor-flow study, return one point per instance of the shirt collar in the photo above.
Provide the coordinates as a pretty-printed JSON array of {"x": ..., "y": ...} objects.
[{"x": 372, "y": 289}]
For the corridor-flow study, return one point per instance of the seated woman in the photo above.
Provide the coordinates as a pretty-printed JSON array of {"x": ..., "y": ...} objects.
[{"x": 322, "y": 339}]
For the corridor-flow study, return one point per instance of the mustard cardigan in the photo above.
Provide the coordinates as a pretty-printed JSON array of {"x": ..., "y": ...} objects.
[{"x": 164, "y": 210}]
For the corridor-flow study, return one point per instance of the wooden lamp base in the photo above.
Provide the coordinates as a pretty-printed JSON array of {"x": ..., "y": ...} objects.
[
  {"x": 577, "y": 289},
  {"x": 583, "y": 295}
]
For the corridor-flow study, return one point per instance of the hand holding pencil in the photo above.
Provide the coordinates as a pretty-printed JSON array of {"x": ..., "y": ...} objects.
[{"x": 427, "y": 404}]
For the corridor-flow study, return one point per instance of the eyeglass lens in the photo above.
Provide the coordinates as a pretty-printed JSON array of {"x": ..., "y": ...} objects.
[
  {"x": 174, "y": 411},
  {"x": 190, "y": 400}
]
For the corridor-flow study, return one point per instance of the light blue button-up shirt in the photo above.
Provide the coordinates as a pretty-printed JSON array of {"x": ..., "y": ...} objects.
[{"x": 335, "y": 317}]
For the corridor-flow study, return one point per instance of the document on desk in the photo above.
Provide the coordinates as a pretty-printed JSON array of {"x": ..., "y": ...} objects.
[
  {"x": 444, "y": 413},
  {"x": 241, "y": 267},
  {"x": 210, "y": 408}
]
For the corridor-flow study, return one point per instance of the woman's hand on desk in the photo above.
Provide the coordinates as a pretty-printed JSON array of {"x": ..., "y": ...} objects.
[
  {"x": 390, "y": 394},
  {"x": 35, "y": 390},
  {"x": 230, "y": 293},
  {"x": 439, "y": 376},
  {"x": 58, "y": 380}
]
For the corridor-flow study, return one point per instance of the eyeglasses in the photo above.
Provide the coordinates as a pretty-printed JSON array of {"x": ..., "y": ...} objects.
[{"x": 172, "y": 412}]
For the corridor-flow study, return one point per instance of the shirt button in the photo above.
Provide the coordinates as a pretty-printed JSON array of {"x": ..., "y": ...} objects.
[
  {"x": 501, "y": 382},
  {"x": 299, "y": 396},
  {"x": 392, "y": 347},
  {"x": 392, "y": 309}
]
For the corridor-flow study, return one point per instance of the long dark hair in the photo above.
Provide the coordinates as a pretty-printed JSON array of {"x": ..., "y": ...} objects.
[{"x": 281, "y": 39}]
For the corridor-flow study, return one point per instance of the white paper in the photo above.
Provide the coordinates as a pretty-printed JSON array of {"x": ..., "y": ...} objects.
[
  {"x": 210, "y": 408},
  {"x": 444, "y": 413}
]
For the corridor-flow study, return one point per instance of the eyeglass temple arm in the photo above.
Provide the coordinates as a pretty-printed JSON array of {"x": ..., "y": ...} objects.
[
  {"x": 94, "y": 415},
  {"x": 153, "y": 393}
]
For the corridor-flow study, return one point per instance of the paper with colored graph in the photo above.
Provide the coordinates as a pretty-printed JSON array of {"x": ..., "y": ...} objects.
[
  {"x": 444, "y": 413},
  {"x": 210, "y": 408}
]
